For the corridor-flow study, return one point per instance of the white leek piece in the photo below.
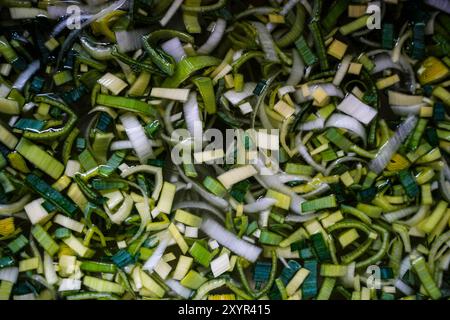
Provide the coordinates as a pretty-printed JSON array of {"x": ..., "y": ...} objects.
[
  {"x": 349, "y": 123},
  {"x": 170, "y": 12},
  {"x": 137, "y": 136},
  {"x": 4, "y": 90},
  {"x": 220, "y": 265},
  {"x": 158, "y": 253},
  {"x": 306, "y": 92},
  {"x": 23, "y": 78},
  {"x": 9, "y": 274},
  {"x": 7, "y": 138},
  {"x": 166, "y": 199},
  {"x": 9, "y": 106},
  {"x": 26, "y": 13},
  {"x": 266, "y": 41},
  {"x": 386, "y": 152},
  {"x": 35, "y": 211},
  {"x": 49, "y": 269},
  {"x": 178, "y": 288},
  {"x": 233, "y": 176},
  {"x": 297, "y": 70},
  {"x": 401, "y": 99},
  {"x": 171, "y": 94},
  {"x": 342, "y": 71},
  {"x": 69, "y": 285},
  {"x": 259, "y": 205},
  {"x": 69, "y": 223},
  {"x": 354, "y": 107},
  {"x": 174, "y": 47},
  {"x": 215, "y": 37},
  {"x": 227, "y": 239},
  {"x": 123, "y": 212},
  {"x": 236, "y": 97},
  {"x": 192, "y": 114},
  {"x": 156, "y": 171},
  {"x": 112, "y": 83},
  {"x": 130, "y": 40}
]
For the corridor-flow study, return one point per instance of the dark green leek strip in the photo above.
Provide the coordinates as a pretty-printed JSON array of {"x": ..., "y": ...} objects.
[
  {"x": 126, "y": 283},
  {"x": 52, "y": 134},
  {"x": 68, "y": 144},
  {"x": 165, "y": 62},
  {"x": 356, "y": 213},
  {"x": 89, "y": 79},
  {"x": 40, "y": 158},
  {"x": 113, "y": 184},
  {"x": 124, "y": 103},
  {"x": 239, "y": 292},
  {"x": 417, "y": 134},
  {"x": 371, "y": 139},
  {"x": 395, "y": 255},
  {"x": 319, "y": 45},
  {"x": 163, "y": 34},
  {"x": 92, "y": 296},
  {"x": 190, "y": 19},
  {"x": 134, "y": 64},
  {"x": 344, "y": 292},
  {"x": 295, "y": 30},
  {"x": 7, "y": 51},
  {"x": 113, "y": 163},
  {"x": 188, "y": 66},
  {"x": 268, "y": 286},
  {"x": 325, "y": 74},
  {"x": 422, "y": 271},
  {"x": 316, "y": 10},
  {"x": 281, "y": 288},
  {"x": 305, "y": 52},
  {"x": 94, "y": 266},
  {"x": 219, "y": 4},
  {"x": 92, "y": 208},
  {"x": 16, "y": 3},
  {"x": 381, "y": 252},
  {"x": 206, "y": 89},
  {"x": 45, "y": 240},
  {"x": 47, "y": 192},
  {"x": 32, "y": 125},
  {"x": 349, "y": 223},
  {"x": 92, "y": 195},
  {"x": 332, "y": 17},
  {"x": 87, "y": 60},
  {"x": 356, "y": 253},
  {"x": 158, "y": 10},
  {"x": 243, "y": 36},
  {"x": 244, "y": 58},
  {"x": 372, "y": 90},
  {"x": 7, "y": 261},
  {"x": 87, "y": 160},
  {"x": 326, "y": 289}
]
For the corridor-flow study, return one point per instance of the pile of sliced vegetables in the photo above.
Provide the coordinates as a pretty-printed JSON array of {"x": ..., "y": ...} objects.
[{"x": 92, "y": 205}]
